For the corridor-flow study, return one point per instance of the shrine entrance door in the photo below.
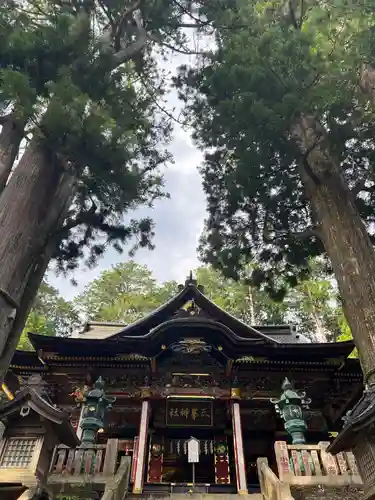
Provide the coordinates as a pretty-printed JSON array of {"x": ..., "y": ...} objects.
[{"x": 168, "y": 461}]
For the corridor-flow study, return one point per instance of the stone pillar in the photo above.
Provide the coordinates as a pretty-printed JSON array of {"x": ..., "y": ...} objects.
[
  {"x": 142, "y": 443},
  {"x": 238, "y": 443}
]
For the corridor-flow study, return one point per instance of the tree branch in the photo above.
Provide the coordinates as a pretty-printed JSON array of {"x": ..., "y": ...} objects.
[
  {"x": 5, "y": 118},
  {"x": 179, "y": 51},
  {"x": 127, "y": 53},
  {"x": 81, "y": 218},
  {"x": 360, "y": 186},
  {"x": 310, "y": 232}
]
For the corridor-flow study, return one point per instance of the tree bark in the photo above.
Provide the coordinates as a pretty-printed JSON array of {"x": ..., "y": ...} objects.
[
  {"x": 367, "y": 81},
  {"x": 11, "y": 136},
  {"x": 343, "y": 234},
  {"x": 251, "y": 305},
  {"x": 31, "y": 208},
  {"x": 320, "y": 331},
  {"x": 38, "y": 270}
]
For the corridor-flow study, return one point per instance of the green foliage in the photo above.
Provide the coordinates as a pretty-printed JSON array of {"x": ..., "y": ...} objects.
[
  {"x": 240, "y": 299},
  {"x": 85, "y": 77},
  {"x": 124, "y": 293},
  {"x": 50, "y": 315},
  {"x": 346, "y": 334},
  {"x": 128, "y": 291},
  {"x": 271, "y": 65}
]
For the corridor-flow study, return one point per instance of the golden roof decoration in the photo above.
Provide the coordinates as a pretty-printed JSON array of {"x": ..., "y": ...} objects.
[{"x": 191, "y": 346}]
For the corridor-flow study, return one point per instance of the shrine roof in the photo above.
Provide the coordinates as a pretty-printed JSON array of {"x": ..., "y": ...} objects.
[
  {"x": 170, "y": 333},
  {"x": 102, "y": 330},
  {"x": 26, "y": 359},
  {"x": 29, "y": 398},
  {"x": 202, "y": 307},
  {"x": 188, "y": 315}
]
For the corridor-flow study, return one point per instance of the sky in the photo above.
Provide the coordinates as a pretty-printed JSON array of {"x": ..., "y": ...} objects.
[{"x": 178, "y": 220}]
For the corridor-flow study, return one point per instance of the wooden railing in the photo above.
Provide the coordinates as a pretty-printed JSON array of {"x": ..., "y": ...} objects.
[
  {"x": 312, "y": 465},
  {"x": 270, "y": 485}
]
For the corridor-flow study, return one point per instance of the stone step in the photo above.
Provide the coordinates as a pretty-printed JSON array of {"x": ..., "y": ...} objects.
[{"x": 195, "y": 496}]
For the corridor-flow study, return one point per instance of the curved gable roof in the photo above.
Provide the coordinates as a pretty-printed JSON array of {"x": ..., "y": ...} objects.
[
  {"x": 58, "y": 418},
  {"x": 165, "y": 312}
]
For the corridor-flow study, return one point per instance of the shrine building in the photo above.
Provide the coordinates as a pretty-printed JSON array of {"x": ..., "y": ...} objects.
[{"x": 190, "y": 369}]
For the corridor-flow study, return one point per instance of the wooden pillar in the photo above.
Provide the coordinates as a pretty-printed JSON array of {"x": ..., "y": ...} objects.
[
  {"x": 142, "y": 444},
  {"x": 238, "y": 443}
]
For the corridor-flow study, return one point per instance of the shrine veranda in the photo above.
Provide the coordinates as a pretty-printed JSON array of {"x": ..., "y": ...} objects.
[{"x": 191, "y": 369}]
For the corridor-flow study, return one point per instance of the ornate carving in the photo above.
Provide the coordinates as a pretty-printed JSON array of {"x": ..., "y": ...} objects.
[
  {"x": 37, "y": 382},
  {"x": 190, "y": 346},
  {"x": 259, "y": 384},
  {"x": 128, "y": 383},
  {"x": 192, "y": 380},
  {"x": 193, "y": 363}
]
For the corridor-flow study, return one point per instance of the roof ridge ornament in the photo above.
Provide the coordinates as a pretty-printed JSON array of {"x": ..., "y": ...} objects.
[{"x": 191, "y": 281}]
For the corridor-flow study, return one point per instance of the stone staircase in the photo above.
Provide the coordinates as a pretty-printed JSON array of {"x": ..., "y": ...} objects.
[{"x": 195, "y": 496}]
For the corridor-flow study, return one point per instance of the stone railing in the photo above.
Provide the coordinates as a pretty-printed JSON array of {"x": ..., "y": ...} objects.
[
  {"x": 89, "y": 471},
  {"x": 74, "y": 462},
  {"x": 270, "y": 485},
  {"x": 307, "y": 472},
  {"x": 312, "y": 465}
]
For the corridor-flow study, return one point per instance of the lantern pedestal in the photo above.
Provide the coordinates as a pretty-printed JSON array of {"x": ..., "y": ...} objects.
[
  {"x": 95, "y": 403},
  {"x": 290, "y": 406}
]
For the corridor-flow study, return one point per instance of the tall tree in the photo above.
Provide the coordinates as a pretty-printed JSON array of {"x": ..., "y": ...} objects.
[
  {"x": 128, "y": 291},
  {"x": 314, "y": 305},
  {"x": 93, "y": 149},
  {"x": 124, "y": 293},
  {"x": 241, "y": 299},
  {"x": 288, "y": 172},
  {"x": 51, "y": 314}
]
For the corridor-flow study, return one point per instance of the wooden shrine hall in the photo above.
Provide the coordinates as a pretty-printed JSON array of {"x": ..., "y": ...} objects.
[{"x": 190, "y": 369}]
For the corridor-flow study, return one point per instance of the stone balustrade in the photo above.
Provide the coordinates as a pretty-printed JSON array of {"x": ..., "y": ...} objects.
[
  {"x": 306, "y": 472},
  {"x": 87, "y": 468},
  {"x": 76, "y": 461},
  {"x": 311, "y": 464}
]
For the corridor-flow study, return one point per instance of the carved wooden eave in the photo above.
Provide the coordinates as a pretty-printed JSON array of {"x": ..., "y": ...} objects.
[
  {"x": 360, "y": 419},
  {"x": 140, "y": 350},
  {"x": 29, "y": 398},
  {"x": 145, "y": 341}
]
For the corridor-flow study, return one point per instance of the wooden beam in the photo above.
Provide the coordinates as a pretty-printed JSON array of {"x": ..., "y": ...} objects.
[
  {"x": 229, "y": 366},
  {"x": 7, "y": 392}
]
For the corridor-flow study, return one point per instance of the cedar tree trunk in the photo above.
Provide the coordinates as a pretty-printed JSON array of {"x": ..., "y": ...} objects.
[
  {"x": 61, "y": 207},
  {"x": 10, "y": 139},
  {"x": 367, "y": 81},
  {"x": 343, "y": 234},
  {"x": 31, "y": 207}
]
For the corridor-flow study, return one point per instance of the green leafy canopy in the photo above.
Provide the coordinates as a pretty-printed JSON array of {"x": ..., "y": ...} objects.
[
  {"x": 272, "y": 63},
  {"x": 51, "y": 314},
  {"x": 85, "y": 78}
]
